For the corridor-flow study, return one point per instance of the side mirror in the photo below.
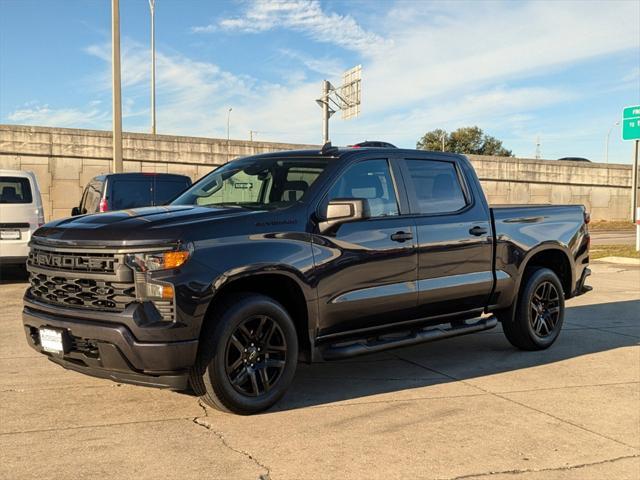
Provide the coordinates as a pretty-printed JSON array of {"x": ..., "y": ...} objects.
[
  {"x": 75, "y": 211},
  {"x": 343, "y": 210}
]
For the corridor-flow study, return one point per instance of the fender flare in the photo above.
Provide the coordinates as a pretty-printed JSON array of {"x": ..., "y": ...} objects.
[{"x": 551, "y": 245}]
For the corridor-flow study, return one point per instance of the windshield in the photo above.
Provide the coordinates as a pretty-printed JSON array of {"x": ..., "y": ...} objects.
[{"x": 254, "y": 182}]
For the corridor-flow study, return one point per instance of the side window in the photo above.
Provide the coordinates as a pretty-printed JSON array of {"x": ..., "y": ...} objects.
[
  {"x": 436, "y": 185},
  {"x": 370, "y": 180},
  {"x": 91, "y": 199},
  {"x": 83, "y": 200}
]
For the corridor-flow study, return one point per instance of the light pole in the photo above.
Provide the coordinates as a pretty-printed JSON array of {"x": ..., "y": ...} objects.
[
  {"x": 442, "y": 139},
  {"x": 115, "y": 85},
  {"x": 606, "y": 143},
  {"x": 228, "y": 129},
  {"x": 152, "y": 7}
]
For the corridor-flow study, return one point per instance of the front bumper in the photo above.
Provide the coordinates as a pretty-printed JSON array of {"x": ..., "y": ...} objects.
[{"x": 105, "y": 348}]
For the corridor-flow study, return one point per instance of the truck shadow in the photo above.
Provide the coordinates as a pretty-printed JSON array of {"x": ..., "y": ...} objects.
[{"x": 421, "y": 371}]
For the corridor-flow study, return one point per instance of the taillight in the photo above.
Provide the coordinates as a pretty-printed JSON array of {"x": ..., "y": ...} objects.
[
  {"x": 103, "y": 205},
  {"x": 587, "y": 217}
]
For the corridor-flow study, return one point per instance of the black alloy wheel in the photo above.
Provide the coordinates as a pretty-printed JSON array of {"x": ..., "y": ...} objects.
[
  {"x": 247, "y": 355},
  {"x": 539, "y": 311},
  {"x": 255, "y": 357},
  {"x": 545, "y": 309}
]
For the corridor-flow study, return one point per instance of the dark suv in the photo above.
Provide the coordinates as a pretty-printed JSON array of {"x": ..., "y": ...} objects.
[
  {"x": 317, "y": 255},
  {"x": 118, "y": 191}
]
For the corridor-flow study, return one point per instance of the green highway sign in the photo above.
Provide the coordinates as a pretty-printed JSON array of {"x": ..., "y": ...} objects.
[{"x": 631, "y": 123}]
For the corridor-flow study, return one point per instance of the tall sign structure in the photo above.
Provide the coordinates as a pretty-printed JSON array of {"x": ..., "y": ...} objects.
[
  {"x": 631, "y": 131},
  {"x": 346, "y": 98}
]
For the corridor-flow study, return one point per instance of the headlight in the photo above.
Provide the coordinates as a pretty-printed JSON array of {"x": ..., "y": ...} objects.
[{"x": 143, "y": 262}]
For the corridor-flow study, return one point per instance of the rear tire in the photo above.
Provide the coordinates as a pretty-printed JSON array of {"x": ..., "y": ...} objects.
[
  {"x": 248, "y": 355},
  {"x": 539, "y": 312}
]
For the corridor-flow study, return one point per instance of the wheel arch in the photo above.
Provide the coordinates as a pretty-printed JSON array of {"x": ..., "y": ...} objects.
[
  {"x": 281, "y": 284},
  {"x": 555, "y": 257},
  {"x": 552, "y": 255}
]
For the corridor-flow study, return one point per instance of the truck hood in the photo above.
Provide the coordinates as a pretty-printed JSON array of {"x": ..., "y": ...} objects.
[{"x": 138, "y": 226}]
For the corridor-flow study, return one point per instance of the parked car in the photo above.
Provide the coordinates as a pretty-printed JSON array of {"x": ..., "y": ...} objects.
[
  {"x": 574, "y": 159},
  {"x": 119, "y": 191},
  {"x": 373, "y": 143},
  {"x": 311, "y": 255},
  {"x": 21, "y": 214}
]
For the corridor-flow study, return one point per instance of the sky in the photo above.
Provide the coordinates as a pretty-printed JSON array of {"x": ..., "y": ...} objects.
[{"x": 557, "y": 71}]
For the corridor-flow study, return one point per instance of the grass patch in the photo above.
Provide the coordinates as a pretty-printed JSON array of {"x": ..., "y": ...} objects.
[
  {"x": 606, "y": 225},
  {"x": 601, "y": 251}
]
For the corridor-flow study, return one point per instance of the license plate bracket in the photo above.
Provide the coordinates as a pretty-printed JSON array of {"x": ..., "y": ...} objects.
[{"x": 10, "y": 234}]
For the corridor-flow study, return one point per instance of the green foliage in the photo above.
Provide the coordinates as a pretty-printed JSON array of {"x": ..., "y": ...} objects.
[{"x": 467, "y": 140}]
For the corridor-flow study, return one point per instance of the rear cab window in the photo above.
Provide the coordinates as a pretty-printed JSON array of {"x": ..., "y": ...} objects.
[
  {"x": 15, "y": 190},
  {"x": 130, "y": 193},
  {"x": 166, "y": 189},
  {"x": 436, "y": 186}
]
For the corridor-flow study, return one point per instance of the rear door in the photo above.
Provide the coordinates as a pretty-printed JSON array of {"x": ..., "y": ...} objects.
[
  {"x": 453, "y": 237},
  {"x": 366, "y": 269},
  {"x": 130, "y": 192}
]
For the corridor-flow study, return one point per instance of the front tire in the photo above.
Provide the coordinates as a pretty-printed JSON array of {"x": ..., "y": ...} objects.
[
  {"x": 539, "y": 312},
  {"x": 248, "y": 355}
]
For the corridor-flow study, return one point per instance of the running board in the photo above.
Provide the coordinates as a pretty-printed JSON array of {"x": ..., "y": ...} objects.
[{"x": 386, "y": 342}]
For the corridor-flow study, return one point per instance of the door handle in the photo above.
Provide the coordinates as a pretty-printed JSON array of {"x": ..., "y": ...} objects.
[
  {"x": 401, "y": 236},
  {"x": 477, "y": 231}
]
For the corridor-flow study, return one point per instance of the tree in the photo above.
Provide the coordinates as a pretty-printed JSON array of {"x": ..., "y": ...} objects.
[{"x": 468, "y": 140}]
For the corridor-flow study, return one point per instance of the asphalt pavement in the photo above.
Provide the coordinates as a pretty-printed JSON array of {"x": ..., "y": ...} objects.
[
  {"x": 470, "y": 407},
  {"x": 613, "y": 237}
]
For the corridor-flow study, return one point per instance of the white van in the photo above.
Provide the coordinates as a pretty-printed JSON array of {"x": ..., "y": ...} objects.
[{"x": 21, "y": 214}]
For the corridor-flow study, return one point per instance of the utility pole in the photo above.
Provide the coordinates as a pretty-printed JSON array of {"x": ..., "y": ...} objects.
[
  {"x": 116, "y": 94},
  {"x": 152, "y": 7},
  {"x": 538, "y": 152},
  {"x": 251, "y": 132},
  {"x": 345, "y": 98},
  {"x": 325, "y": 111},
  {"x": 442, "y": 138},
  {"x": 228, "y": 129}
]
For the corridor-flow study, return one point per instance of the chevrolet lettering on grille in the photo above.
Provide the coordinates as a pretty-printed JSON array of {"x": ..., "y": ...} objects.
[{"x": 73, "y": 262}]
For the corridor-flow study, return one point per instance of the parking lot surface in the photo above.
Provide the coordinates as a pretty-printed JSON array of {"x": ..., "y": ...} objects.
[{"x": 470, "y": 407}]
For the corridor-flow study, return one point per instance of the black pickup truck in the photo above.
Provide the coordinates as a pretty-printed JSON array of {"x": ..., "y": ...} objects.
[{"x": 299, "y": 255}]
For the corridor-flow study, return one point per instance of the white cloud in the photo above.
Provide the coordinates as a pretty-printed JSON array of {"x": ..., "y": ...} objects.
[
  {"x": 330, "y": 66},
  {"x": 305, "y": 16},
  {"x": 437, "y": 65},
  {"x": 36, "y": 114}
]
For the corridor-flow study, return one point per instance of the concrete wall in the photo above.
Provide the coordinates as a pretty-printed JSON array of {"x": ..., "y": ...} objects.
[
  {"x": 604, "y": 189},
  {"x": 64, "y": 160}
]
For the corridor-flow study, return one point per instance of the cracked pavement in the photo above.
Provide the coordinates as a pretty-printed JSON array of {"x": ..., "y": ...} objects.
[{"x": 466, "y": 408}]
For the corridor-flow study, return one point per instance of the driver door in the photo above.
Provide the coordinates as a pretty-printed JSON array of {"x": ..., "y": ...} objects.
[{"x": 367, "y": 269}]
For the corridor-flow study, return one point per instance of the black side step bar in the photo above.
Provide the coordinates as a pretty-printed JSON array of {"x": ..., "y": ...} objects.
[{"x": 429, "y": 334}]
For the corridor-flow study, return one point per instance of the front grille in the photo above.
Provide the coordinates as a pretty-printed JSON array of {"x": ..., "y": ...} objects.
[
  {"x": 82, "y": 292},
  {"x": 73, "y": 261}
]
